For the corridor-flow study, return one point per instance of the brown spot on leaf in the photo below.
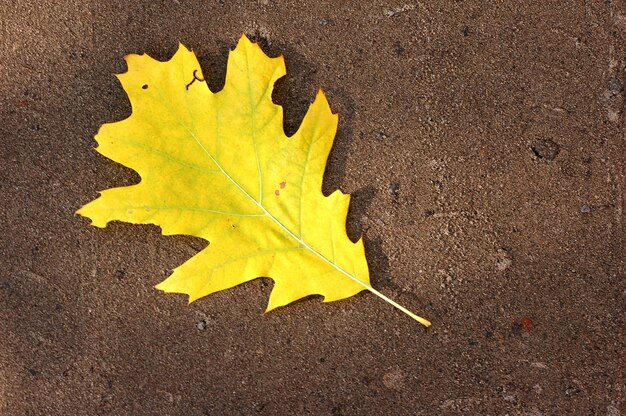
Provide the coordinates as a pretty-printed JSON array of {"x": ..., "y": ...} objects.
[
  {"x": 283, "y": 184},
  {"x": 195, "y": 78},
  {"x": 277, "y": 192}
]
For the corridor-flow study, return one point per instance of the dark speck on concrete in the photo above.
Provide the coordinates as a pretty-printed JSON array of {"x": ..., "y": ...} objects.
[
  {"x": 437, "y": 184},
  {"x": 615, "y": 85},
  {"x": 398, "y": 49},
  {"x": 572, "y": 390},
  {"x": 585, "y": 209},
  {"x": 394, "y": 190},
  {"x": 545, "y": 149},
  {"x": 338, "y": 410}
]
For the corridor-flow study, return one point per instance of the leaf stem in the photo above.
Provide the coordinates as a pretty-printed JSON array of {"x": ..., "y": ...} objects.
[{"x": 419, "y": 319}]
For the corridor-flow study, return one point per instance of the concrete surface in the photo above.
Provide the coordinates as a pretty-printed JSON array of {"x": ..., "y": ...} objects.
[{"x": 484, "y": 147}]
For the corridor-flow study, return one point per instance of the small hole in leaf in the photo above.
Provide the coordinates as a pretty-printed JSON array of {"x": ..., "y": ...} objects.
[{"x": 144, "y": 87}]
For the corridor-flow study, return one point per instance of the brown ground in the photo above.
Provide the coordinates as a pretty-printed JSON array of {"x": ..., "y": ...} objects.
[{"x": 484, "y": 149}]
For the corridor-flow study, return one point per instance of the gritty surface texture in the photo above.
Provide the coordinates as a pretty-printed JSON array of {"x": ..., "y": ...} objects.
[{"x": 484, "y": 150}]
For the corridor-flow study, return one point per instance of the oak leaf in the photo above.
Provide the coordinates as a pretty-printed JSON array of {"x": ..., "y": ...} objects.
[{"x": 219, "y": 166}]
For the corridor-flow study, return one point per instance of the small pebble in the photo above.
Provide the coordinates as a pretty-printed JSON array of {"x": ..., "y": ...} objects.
[
  {"x": 394, "y": 190},
  {"x": 615, "y": 85},
  {"x": 503, "y": 260},
  {"x": 545, "y": 149}
]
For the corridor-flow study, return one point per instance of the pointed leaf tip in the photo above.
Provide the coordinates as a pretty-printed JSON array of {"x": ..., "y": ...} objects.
[{"x": 244, "y": 41}]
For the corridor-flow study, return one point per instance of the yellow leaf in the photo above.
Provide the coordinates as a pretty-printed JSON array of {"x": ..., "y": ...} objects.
[{"x": 219, "y": 166}]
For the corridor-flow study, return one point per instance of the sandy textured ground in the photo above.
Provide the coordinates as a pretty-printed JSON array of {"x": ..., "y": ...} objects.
[{"x": 484, "y": 148}]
